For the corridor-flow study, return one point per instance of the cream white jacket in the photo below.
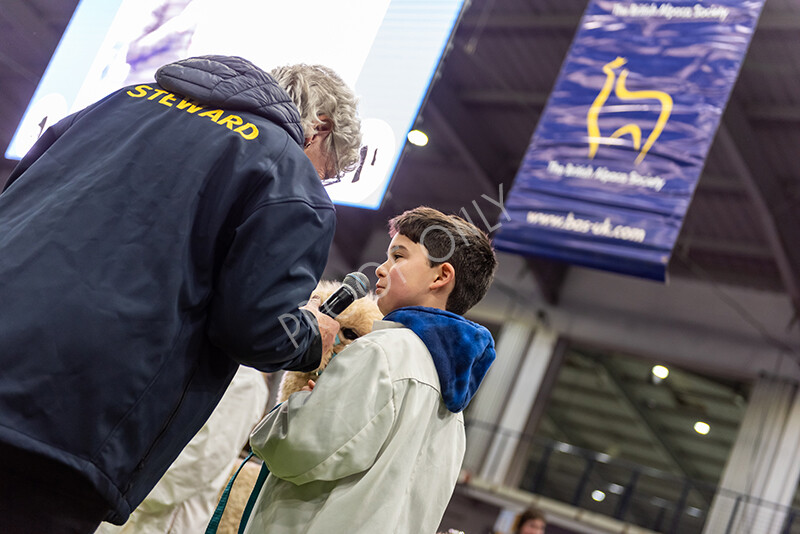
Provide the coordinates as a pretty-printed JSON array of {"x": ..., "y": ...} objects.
[{"x": 372, "y": 449}]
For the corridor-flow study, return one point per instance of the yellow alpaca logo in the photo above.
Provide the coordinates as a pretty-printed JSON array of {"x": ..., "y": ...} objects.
[{"x": 623, "y": 94}]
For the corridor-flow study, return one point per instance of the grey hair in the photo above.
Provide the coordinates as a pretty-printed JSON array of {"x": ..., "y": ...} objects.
[{"x": 317, "y": 90}]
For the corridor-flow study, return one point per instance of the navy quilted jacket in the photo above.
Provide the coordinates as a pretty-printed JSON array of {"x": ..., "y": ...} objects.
[{"x": 148, "y": 245}]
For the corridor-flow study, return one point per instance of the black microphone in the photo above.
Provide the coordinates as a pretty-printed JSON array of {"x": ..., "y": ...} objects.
[{"x": 354, "y": 286}]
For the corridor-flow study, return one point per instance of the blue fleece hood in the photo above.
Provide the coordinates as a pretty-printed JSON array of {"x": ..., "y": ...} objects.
[{"x": 462, "y": 351}]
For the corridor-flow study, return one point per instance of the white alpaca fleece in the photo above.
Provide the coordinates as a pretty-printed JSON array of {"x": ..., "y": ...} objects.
[{"x": 356, "y": 321}]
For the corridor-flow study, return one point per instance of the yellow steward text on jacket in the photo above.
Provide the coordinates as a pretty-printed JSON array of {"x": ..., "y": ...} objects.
[{"x": 233, "y": 122}]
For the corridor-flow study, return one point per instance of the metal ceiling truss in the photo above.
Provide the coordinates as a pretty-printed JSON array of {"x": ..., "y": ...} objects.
[
  {"x": 779, "y": 218},
  {"x": 661, "y": 441}
]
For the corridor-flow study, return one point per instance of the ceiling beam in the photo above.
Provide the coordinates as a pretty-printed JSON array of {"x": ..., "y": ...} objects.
[
  {"x": 521, "y": 21},
  {"x": 504, "y": 97},
  {"x": 779, "y": 218},
  {"x": 774, "y": 20},
  {"x": 528, "y": 99},
  {"x": 467, "y": 133},
  {"x": 773, "y": 113},
  {"x": 11, "y": 64},
  {"x": 770, "y": 20},
  {"x": 698, "y": 267},
  {"x": 564, "y": 432},
  {"x": 715, "y": 183},
  {"x": 444, "y": 127},
  {"x": 697, "y": 414},
  {"x": 549, "y": 276},
  {"x": 594, "y": 424},
  {"x": 32, "y": 37},
  {"x": 749, "y": 250}
]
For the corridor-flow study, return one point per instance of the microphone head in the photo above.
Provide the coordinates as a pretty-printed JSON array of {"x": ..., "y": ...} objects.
[{"x": 358, "y": 282}]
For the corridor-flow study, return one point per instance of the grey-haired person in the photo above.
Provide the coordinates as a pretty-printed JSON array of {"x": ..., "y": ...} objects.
[{"x": 149, "y": 245}]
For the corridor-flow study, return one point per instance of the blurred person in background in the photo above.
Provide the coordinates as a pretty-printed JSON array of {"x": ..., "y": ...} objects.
[{"x": 531, "y": 521}]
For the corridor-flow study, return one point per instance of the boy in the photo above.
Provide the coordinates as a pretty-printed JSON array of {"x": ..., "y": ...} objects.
[{"x": 377, "y": 445}]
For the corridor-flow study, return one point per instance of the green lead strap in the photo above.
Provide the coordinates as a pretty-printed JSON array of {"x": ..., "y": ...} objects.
[
  {"x": 213, "y": 524},
  {"x": 262, "y": 476}
]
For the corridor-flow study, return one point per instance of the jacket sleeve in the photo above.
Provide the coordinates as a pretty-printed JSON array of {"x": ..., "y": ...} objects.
[
  {"x": 274, "y": 262},
  {"x": 338, "y": 429}
]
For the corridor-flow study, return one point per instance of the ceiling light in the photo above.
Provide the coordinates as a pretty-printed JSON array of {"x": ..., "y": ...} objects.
[
  {"x": 598, "y": 495},
  {"x": 659, "y": 371},
  {"x": 702, "y": 428},
  {"x": 563, "y": 447},
  {"x": 417, "y": 137},
  {"x": 616, "y": 489}
]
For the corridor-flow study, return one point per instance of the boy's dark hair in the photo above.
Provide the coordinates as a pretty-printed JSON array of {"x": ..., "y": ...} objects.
[
  {"x": 450, "y": 238},
  {"x": 527, "y": 515}
]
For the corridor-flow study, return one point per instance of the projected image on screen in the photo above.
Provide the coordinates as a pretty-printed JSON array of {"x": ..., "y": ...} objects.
[{"x": 387, "y": 50}]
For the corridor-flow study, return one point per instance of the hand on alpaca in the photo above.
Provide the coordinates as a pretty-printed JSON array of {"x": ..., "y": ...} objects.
[
  {"x": 355, "y": 321},
  {"x": 328, "y": 327}
]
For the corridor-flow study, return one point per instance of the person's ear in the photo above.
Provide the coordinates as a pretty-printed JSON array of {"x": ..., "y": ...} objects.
[
  {"x": 446, "y": 274},
  {"x": 323, "y": 126}
]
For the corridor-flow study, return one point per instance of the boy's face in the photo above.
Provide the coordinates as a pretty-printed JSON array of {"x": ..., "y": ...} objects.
[{"x": 405, "y": 277}]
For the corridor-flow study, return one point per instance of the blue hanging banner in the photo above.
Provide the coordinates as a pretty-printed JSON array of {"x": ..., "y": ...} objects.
[{"x": 614, "y": 160}]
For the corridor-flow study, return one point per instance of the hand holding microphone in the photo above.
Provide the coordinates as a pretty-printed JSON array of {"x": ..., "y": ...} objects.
[{"x": 354, "y": 286}]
